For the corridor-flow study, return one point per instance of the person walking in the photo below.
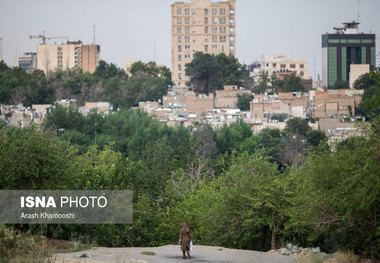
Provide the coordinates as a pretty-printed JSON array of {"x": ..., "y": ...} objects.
[{"x": 184, "y": 240}]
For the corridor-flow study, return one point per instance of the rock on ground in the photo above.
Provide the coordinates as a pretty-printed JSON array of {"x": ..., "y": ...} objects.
[{"x": 170, "y": 254}]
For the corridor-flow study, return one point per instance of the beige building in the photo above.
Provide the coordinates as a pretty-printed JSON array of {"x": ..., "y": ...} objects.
[
  {"x": 200, "y": 25},
  {"x": 65, "y": 56},
  {"x": 282, "y": 64}
]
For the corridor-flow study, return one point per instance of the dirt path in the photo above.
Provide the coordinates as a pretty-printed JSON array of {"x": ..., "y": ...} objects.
[{"x": 171, "y": 254}]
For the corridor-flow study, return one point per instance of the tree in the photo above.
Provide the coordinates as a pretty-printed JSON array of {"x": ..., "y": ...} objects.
[
  {"x": 367, "y": 80},
  {"x": 343, "y": 202},
  {"x": 315, "y": 137},
  {"x": 295, "y": 133},
  {"x": 370, "y": 104},
  {"x": 32, "y": 160},
  {"x": 262, "y": 86},
  {"x": 230, "y": 71},
  {"x": 293, "y": 83},
  {"x": 244, "y": 101},
  {"x": 341, "y": 84},
  {"x": 203, "y": 72},
  {"x": 232, "y": 136},
  {"x": 209, "y": 72}
]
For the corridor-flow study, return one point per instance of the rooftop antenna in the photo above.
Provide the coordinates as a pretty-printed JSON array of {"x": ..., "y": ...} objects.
[
  {"x": 94, "y": 40},
  {"x": 358, "y": 10}
]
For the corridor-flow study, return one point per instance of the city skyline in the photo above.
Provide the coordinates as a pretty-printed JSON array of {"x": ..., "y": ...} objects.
[{"x": 141, "y": 30}]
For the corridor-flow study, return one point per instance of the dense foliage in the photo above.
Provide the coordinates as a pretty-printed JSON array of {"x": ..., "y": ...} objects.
[
  {"x": 108, "y": 83},
  {"x": 209, "y": 72},
  {"x": 234, "y": 188}
]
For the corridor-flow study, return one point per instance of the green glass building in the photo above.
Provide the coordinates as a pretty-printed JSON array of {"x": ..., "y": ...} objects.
[{"x": 347, "y": 46}]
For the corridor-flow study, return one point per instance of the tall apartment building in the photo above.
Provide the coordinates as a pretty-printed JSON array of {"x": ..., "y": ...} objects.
[
  {"x": 344, "y": 48},
  {"x": 27, "y": 61},
  {"x": 66, "y": 56},
  {"x": 200, "y": 25}
]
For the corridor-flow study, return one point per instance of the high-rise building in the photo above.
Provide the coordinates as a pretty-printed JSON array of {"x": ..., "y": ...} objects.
[
  {"x": 66, "y": 56},
  {"x": 344, "y": 48},
  {"x": 27, "y": 61},
  {"x": 200, "y": 25}
]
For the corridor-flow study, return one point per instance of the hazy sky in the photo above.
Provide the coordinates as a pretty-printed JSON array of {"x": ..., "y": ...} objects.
[{"x": 130, "y": 29}]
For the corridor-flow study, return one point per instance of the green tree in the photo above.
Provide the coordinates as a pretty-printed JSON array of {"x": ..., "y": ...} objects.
[
  {"x": 232, "y": 136},
  {"x": 341, "y": 84},
  {"x": 203, "y": 71},
  {"x": 262, "y": 85},
  {"x": 243, "y": 102},
  {"x": 33, "y": 160},
  {"x": 209, "y": 72},
  {"x": 341, "y": 205},
  {"x": 367, "y": 80},
  {"x": 293, "y": 83},
  {"x": 315, "y": 137}
]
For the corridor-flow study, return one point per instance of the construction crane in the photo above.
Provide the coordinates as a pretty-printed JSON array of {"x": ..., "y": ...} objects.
[{"x": 44, "y": 37}]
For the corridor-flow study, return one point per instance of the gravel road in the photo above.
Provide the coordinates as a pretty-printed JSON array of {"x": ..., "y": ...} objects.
[{"x": 171, "y": 254}]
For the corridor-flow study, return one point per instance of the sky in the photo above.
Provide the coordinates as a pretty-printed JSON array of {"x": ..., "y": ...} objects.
[{"x": 141, "y": 29}]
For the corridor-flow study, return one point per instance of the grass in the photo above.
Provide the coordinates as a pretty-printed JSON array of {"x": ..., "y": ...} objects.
[
  {"x": 149, "y": 253},
  {"x": 18, "y": 247}
]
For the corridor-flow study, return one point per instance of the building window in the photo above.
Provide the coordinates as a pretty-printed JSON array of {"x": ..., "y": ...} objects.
[
  {"x": 214, "y": 11},
  {"x": 187, "y": 55},
  {"x": 222, "y": 11},
  {"x": 232, "y": 30},
  {"x": 187, "y": 20},
  {"x": 231, "y": 21},
  {"x": 179, "y": 38},
  {"x": 222, "y": 20},
  {"x": 179, "y": 30},
  {"x": 292, "y": 66},
  {"x": 179, "y": 66},
  {"x": 179, "y": 75},
  {"x": 179, "y": 11},
  {"x": 187, "y": 29},
  {"x": 214, "y": 20},
  {"x": 206, "y": 29},
  {"x": 222, "y": 48},
  {"x": 282, "y": 66},
  {"x": 302, "y": 73},
  {"x": 302, "y": 66},
  {"x": 206, "y": 48},
  {"x": 179, "y": 48},
  {"x": 179, "y": 57},
  {"x": 206, "y": 20},
  {"x": 187, "y": 39},
  {"x": 187, "y": 11},
  {"x": 206, "y": 12},
  {"x": 206, "y": 39},
  {"x": 214, "y": 38},
  {"x": 179, "y": 20},
  {"x": 214, "y": 30},
  {"x": 187, "y": 46},
  {"x": 222, "y": 38},
  {"x": 222, "y": 29},
  {"x": 274, "y": 65},
  {"x": 232, "y": 48},
  {"x": 214, "y": 46},
  {"x": 232, "y": 39},
  {"x": 232, "y": 11}
]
